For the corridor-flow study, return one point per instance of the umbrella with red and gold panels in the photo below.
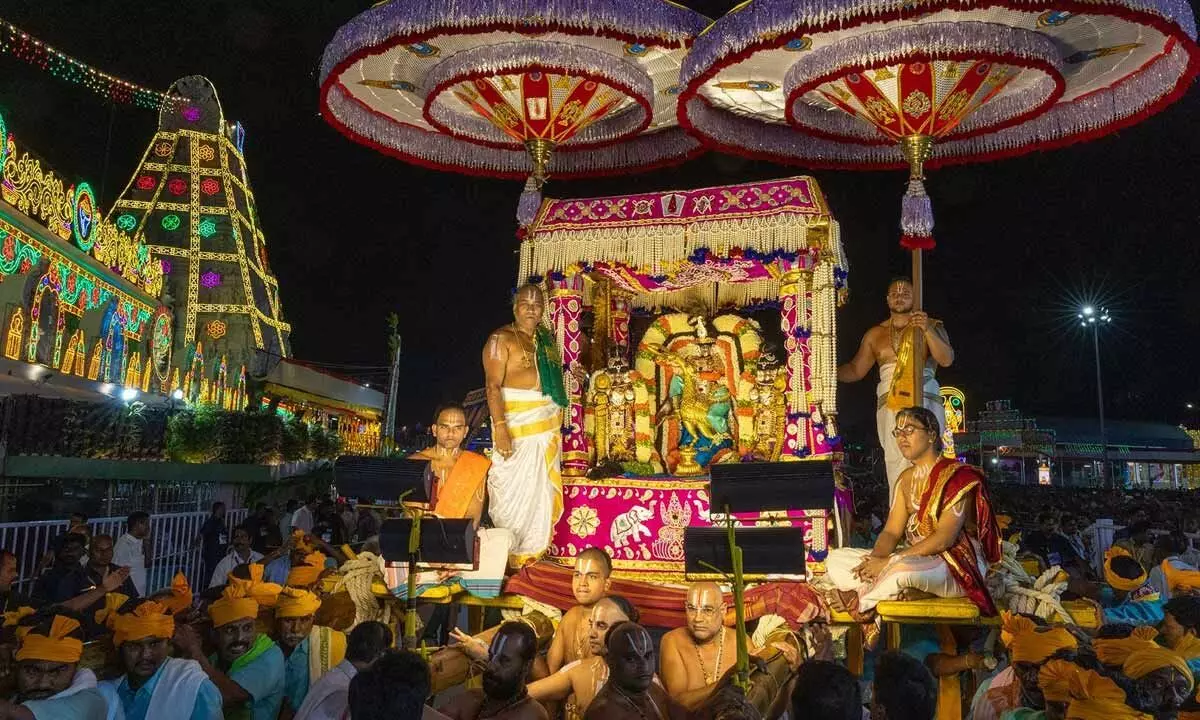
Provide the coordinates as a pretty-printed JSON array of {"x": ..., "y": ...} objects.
[{"x": 514, "y": 88}]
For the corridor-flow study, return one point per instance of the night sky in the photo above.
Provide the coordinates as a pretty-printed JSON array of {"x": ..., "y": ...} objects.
[{"x": 355, "y": 235}]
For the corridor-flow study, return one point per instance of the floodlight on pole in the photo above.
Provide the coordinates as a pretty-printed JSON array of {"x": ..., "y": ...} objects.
[{"x": 1092, "y": 317}]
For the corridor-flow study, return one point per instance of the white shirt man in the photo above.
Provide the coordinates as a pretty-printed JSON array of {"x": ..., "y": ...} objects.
[
  {"x": 327, "y": 699},
  {"x": 231, "y": 560},
  {"x": 303, "y": 519},
  {"x": 129, "y": 552}
]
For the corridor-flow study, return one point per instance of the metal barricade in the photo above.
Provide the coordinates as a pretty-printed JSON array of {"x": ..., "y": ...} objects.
[{"x": 174, "y": 537}]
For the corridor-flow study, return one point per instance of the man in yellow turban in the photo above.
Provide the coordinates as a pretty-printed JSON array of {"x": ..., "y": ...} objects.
[
  {"x": 1181, "y": 628},
  {"x": 1055, "y": 679},
  {"x": 50, "y": 683},
  {"x": 1161, "y": 677},
  {"x": 155, "y": 685},
  {"x": 1173, "y": 575},
  {"x": 311, "y": 650},
  {"x": 1095, "y": 697},
  {"x": 1029, "y": 647},
  {"x": 1134, "y": 600},
  {"x": 1162, "y": 680},
  {"x": 247, "y": 667}
]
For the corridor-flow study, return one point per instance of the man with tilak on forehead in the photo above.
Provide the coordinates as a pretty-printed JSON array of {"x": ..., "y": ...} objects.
[{"x": 697, "y": 656}]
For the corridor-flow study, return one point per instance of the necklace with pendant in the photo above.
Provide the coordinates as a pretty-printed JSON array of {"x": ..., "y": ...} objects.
[
  {"x": 526, "y": 354},
  {"x": 716, "y": 670}
]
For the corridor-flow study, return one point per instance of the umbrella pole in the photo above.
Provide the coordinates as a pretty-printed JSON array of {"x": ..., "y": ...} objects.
[{"x": 916, "y": 149}]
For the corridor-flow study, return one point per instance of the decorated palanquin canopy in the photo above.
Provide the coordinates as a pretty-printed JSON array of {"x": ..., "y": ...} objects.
[
  {"x": 509, "y": 88},
  {"x": 720, "y": 247},
  {"x": 893, "y": 83}
]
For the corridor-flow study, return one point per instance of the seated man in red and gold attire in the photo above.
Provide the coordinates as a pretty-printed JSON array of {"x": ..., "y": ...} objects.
[
  {"x": 942, "y": 512},
  {"x": 460, "y": 486}
]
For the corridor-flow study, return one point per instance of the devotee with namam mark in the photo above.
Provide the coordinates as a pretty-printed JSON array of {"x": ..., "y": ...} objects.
[
  {"x": 696, "y": 657},
  {"x": 504, "y": 693},
  {"x": 590, "y": 582},
  {"x": 156, "y": 685},
  {"x": 1160, "y": 679},
  {"x": 247, "y": 667},
  {"x": 631, "y": 690},
  {"x": 459, "y": 492},
  {"x": 943, "y": 510},
  {"x": 50, "y": 683},
  {"x": 582, "y": 679},
  {"x": 525, "y": 395},
  {"x": 890, "y": 346},
  {"x": 311, "y": 650}
]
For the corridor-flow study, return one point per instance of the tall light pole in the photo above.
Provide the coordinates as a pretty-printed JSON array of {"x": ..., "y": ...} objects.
[{"x": 1093, "y": 317}]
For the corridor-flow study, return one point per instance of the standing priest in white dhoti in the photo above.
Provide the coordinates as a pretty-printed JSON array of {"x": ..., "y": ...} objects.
[
  {"x": 525, "y": 396},
  {"x": 890, "y": 345}
]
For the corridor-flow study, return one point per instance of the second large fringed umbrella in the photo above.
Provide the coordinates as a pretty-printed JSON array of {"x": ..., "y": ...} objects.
[
  {"x": 878, "y": 84},
  {"x": 514, "y": 88}
]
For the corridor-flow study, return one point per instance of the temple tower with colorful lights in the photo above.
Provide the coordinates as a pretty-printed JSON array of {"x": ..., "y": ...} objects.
[{"x": 190, "y": 198}]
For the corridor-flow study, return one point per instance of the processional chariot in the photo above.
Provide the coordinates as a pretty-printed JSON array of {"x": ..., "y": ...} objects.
[{"x": 699, "y": 387}]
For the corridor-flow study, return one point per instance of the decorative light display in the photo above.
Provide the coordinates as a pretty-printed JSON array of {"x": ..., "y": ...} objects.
[
  {"x": 215, "y": 329},
  {"x": 37, "y": 191},
  {"x": 508, "y": 90},
  {"x": 146, "y": 182},
  {"x": 85, "y": 216},
  {"x": 24, "y": 47},
  {"x": 217, "y": 223},
  {"x": 177, "y": 186},
  {"x": 170, "y": 222},
  {"x": 71, "y": 213},
  {"x": 75, "y": 286}
]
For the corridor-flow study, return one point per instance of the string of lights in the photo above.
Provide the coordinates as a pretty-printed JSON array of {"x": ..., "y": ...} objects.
[{"x": 28, "y": 49}]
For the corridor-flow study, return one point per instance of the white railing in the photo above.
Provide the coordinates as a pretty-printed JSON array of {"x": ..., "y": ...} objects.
[{"x": 174, "y": 536}]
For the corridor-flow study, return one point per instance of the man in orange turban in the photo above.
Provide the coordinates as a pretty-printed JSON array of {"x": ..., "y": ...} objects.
[
  {"x": 300, "y": 545},
  {"x": 50, "y": 684},
  {"x": 247, "y": 667},
  {"x": 311, "y": 650},
  {"x": 178, "y": 597},
  {"x": 307, "y": 572},
  {"x": 155, "y": 685}
]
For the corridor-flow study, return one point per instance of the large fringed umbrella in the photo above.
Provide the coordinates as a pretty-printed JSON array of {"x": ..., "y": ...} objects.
[
  {"x": 878, "y": 84},
  {"x": 514, "y": 88}
]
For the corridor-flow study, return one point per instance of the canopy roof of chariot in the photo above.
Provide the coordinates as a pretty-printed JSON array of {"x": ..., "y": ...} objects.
[{"x": 716, "y": 247}]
